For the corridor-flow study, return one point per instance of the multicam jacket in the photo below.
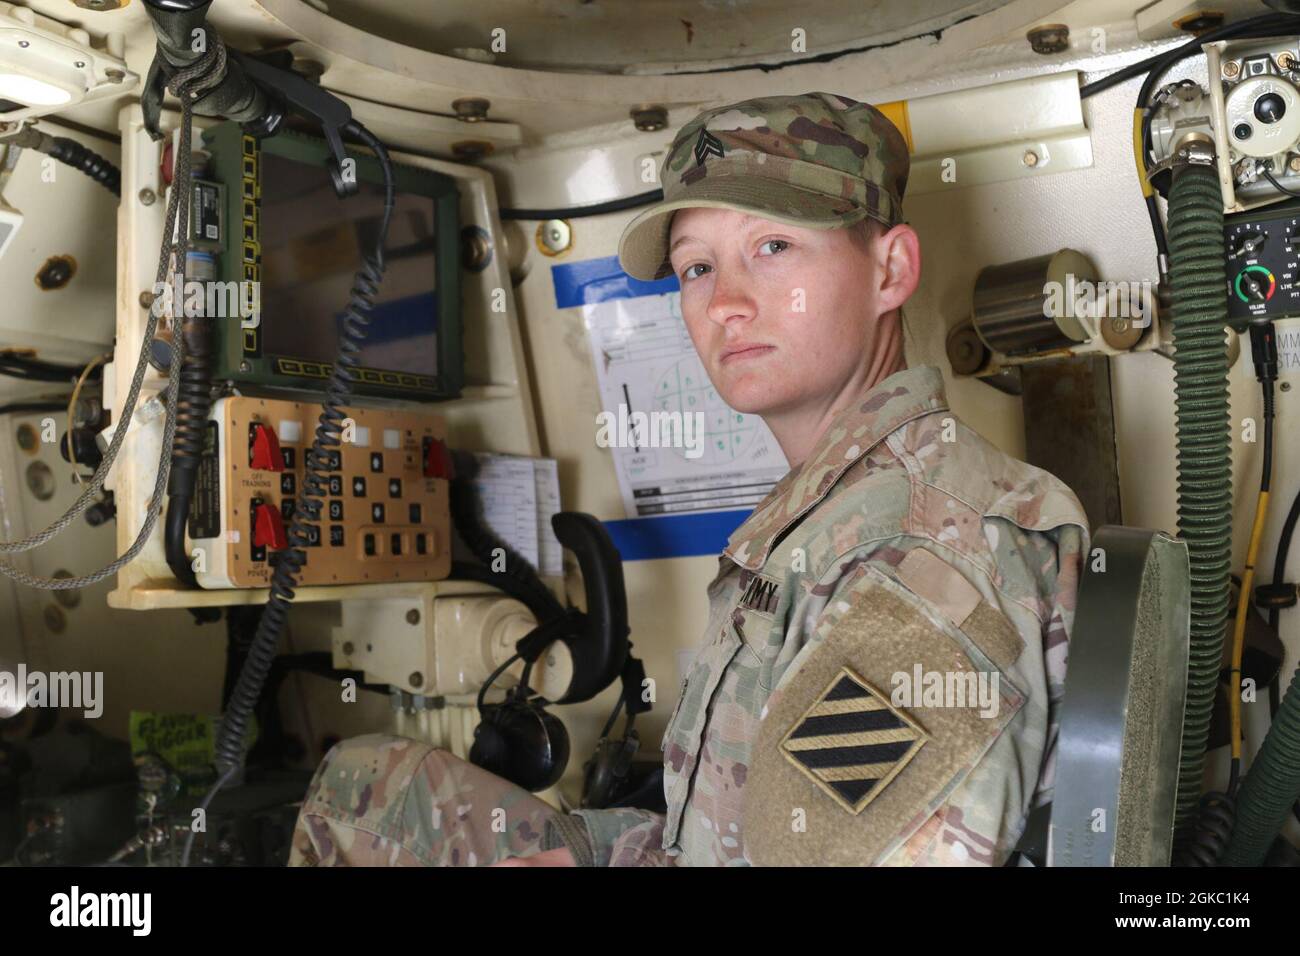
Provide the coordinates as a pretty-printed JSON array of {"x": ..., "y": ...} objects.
[{"x": 902, "y": 529}]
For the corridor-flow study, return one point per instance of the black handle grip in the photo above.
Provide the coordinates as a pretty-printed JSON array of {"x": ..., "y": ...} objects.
[
  {"x": 174, "y": 21},
  {"x": 600, "y": 649}
]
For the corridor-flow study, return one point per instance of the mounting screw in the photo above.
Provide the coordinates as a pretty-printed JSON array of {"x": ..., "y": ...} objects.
[
  {"x": 649, "y": 119},
  {"x": 1286, "y": 386},
  {"x": 148, "y": 197},
  {"x": 146, "y": 300},
  {"x": 24, "y": 44},
  {"x": 80, "y": 64},
  {"x": 413, "y": 616},
  {"x": 56, "y": 273},
  {"x": 554, "y": 236},
  {"x": 471, "y": 109},
  {"x": 245, "y": 367},
  {"x": 1199, "y": 23},
  {"x": 1030, "y": 158},
  {"x": 416, "y": 679},
  {"x": 1051, "y": 38},
  {"x": 1231, "y": 68},
  {"x": 347, "y": 648}
]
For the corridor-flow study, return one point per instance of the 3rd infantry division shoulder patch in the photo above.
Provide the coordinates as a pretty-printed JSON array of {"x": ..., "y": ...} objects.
[{"x": 851, "y": 742}]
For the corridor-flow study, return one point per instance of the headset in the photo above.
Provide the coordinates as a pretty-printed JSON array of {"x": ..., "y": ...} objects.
[{"x": 519, "y": 739}]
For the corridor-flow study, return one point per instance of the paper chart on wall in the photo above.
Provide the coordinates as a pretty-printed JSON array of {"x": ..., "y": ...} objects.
[{"x": 647, "y": 366}]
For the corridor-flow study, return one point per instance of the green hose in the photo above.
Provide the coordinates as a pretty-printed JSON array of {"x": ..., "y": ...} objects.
[
  {"x": 1200, "y": 316},
  {"x": 1271, "y": 787}
]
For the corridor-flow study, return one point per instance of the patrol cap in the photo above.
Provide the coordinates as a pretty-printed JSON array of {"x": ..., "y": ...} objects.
[{"x": 818, "y": 160}]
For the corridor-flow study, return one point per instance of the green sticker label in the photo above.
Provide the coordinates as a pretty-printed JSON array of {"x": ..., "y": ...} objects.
[{"x": 186, "y": 742}]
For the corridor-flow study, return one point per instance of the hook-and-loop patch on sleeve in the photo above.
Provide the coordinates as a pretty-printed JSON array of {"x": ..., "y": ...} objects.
[{"x": 886, "y": 716}]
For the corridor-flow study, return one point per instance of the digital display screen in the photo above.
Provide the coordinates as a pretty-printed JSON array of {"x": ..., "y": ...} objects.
[{"x": 313, "y": 244}]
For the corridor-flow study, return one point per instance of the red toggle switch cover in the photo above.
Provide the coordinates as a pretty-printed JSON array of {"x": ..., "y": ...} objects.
[
  {"x": 268, "y": 528},
  {"x": 266, "y": 450},
  {"x": 437, "y": 460}
]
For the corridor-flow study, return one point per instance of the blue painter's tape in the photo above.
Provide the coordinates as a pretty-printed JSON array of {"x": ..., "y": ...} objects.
[
  {"x": 674, "y": 536},
  {"x": 600, "y": 280}
]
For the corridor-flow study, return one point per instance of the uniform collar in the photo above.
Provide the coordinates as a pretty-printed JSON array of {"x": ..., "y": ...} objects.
[{"x": 857, "y": 429}]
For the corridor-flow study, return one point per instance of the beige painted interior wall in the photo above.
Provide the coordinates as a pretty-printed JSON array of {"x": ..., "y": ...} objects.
[{"x": 160, "y": 660}]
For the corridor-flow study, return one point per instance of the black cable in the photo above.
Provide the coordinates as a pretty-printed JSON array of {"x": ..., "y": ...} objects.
[
  {"x": 1277, "y": 185},
  {"x": 1190, "y": 48},
  {"x": 519, "y": 576},
  {"x": 262, "y": 652},
  {"x": 193, "y": 404},
  {"x": 72, "y": 153},
  {"x": 577, "y": 212},
  {"x": 481, "y": 699},
  {"x": 35, "y": 370}
]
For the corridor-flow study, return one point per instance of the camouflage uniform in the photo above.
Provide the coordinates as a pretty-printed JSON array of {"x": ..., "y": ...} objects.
[
  {"x": 904, "y": 544},
  {"x": 1002, "y": 542},
  {"x": 380, "y": 800}
]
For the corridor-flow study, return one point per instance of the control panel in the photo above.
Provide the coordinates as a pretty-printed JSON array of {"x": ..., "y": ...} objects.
[
  {"x": 385, "y": 507},
  {"x": 1262, "y": 262}
]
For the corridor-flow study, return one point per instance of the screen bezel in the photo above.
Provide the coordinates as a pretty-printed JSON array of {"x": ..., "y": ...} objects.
[{"x": 234, "y": 155}]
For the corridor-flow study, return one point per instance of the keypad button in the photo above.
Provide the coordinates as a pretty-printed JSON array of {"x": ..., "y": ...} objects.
[
  {"x": 394, "y": 487},
  {"x": 377, "y": 513},
  {"x": 376, "y": 461},
  {"x": 414, "y": 512},
  {"x": 358, "y": 487},
  {"x": 369, "y": 545},
  {"x": 396, "y": 543},
  {"x": 336, "y": 484},
  {"x": 336, "y": 511},
  {"x": 290, "y": 456},
  {"x": 288, "y": 484},
  {"x": 336, "y": 536}
]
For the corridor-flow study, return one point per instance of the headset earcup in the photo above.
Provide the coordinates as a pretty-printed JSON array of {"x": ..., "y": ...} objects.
[{"x": 490, "y": 749}]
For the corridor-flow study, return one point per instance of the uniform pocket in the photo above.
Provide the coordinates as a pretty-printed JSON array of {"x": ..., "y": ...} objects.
[{"x": 681, "y": 743}]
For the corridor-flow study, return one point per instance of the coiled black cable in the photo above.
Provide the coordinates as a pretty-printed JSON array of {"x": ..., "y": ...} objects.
[
  {"x": 193, "y": 404},
  {"x": 329, "y": 429},
  {"x": 1211, "y": 831},
  {"x": 88, "y": 161}
]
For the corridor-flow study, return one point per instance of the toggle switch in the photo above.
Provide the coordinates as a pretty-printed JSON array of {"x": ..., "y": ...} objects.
[
  {"x": 268, "y": 528},
  {"x": 437, "y": 460},
  {"x": 264, "y": 450}
]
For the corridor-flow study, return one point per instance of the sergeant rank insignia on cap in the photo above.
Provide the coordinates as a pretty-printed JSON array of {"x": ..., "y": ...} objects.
[
  {"x": 851, "y": 742},
  {"x": 705, "y": 146}
]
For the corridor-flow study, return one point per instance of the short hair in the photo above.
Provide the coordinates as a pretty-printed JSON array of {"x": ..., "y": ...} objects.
[{"x": 867, "y": 229}]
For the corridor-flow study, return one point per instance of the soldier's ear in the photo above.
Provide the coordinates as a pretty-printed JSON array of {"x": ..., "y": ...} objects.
[{"x": 898, "y": 260}]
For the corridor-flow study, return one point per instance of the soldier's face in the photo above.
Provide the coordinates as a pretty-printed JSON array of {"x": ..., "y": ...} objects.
[{"x": 782, "y": 316}]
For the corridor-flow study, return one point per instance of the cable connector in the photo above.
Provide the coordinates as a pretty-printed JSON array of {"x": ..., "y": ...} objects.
[
  {"x": 1275, "y": 596},
  {"x": 1263, "y": 350}
]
